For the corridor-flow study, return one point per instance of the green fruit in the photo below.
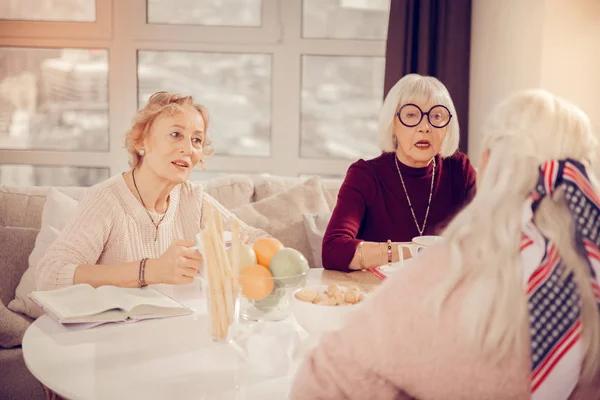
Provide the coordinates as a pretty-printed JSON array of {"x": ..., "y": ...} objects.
[
  {"x": 271, "y": 301},
  {"x": 288, "y": 262}
]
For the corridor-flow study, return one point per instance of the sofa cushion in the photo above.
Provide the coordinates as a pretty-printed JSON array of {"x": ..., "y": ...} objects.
[
  {"x": 315, "y": 225},
  {"x": 12, "y": 265},
  {"x": 12, "y": 328},
  {"x": 231, "y": 190},
  {"x": 58, "y": 210},
  {"x": 17, "y": 243},
  {"x": 16, "y": 382},
  {"x": 22, "y": 207},
  {"x": 20, "y": 210},
  {"x": 269, "y": 185},
  {"x": 281, "y": 215},
  {"x": 266, "y": 186},
  {"x": 331, "y": 187}
]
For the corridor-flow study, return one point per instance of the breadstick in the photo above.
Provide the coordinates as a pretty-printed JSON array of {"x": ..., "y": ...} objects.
[
  {"x": 216, "y": 278},
  {"x": 221, "y": 280},
  {"x": 223, "y": 262},
  {"x": 222, "y": 254}
]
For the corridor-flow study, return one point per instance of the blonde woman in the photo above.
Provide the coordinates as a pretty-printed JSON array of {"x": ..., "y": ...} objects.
[
  {"x": 138, "y": 228},
  {"x": 414, "y": 188},
  {"x": 507, "y": 306}
]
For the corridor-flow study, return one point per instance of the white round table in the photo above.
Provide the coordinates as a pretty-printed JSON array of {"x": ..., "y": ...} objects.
[{"x": 172, "y": 358}]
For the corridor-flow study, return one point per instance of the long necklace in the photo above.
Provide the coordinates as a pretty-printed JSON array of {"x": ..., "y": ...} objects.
[
  {"x": 421, "y": 230},
  {"x": 156, "y": 224}
]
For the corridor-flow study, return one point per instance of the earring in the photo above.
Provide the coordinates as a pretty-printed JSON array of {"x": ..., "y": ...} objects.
[
  {"x": 395, "y": 141},
  {"x": 141, "y": 152}
]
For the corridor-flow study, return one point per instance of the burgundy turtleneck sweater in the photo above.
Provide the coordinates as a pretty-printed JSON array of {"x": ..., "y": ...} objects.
[{"x": 372, "y": 205}]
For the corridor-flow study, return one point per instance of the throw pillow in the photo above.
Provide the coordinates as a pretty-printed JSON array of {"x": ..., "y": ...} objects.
[
  {"x": 281, "y": 215},
  {"x": 268, "y": 185},
  {"x": 315, "y": 225},
  {"x": 231, "y": 190},
  {"x": 59, "y": 209}
]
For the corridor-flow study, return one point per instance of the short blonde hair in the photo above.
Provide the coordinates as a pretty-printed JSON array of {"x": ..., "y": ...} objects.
[
  {"x": 406, "y": 90},
  {"x": 159, "y": 103}
]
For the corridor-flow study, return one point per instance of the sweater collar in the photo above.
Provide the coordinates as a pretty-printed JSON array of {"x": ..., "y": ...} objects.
[
  {"x": 138, "y": 209},
  {"x": 415, "y": 172}
]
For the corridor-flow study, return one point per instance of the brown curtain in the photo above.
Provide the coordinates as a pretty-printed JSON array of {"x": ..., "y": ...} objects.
[{"x": 432, "y": 37}]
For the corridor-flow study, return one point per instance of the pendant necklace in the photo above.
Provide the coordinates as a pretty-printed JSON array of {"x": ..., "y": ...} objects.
[{"x": 156, "y": 224}]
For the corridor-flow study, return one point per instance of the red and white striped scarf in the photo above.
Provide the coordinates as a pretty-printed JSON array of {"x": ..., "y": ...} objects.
[{"x": 553, "y": 298}]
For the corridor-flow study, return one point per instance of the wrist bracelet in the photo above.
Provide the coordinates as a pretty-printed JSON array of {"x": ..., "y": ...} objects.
[
  {"x": 142, "y": 273},
  {"x": 389, "y": 251},
  {"x": 360, "y": 255}
]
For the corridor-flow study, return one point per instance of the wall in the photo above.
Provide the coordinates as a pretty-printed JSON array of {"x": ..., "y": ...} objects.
[
  {"x": 570, "y": 59},
  {"x": 530, "y": 44}
]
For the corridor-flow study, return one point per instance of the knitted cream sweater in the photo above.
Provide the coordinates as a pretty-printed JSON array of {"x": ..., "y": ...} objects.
[{"x": 111, "y": 226}]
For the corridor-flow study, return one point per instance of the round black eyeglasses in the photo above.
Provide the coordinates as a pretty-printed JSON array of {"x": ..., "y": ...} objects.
[{"x": 410, "y": 115}]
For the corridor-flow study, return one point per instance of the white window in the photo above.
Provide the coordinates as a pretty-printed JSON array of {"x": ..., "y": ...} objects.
[{"x": 292, "y": 87}]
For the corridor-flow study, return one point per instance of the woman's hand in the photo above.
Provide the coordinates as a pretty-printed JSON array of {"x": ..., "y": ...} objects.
[{"x": 178, "y": 265}]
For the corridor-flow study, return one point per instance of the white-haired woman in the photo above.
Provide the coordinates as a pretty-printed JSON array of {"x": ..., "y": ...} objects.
[
  {"x": 138, "y": 228},
  {"x": 414, "y": 188},
  {"x": 507, "y": 306}
]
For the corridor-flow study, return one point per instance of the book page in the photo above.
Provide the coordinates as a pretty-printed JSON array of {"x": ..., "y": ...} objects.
[
  {"x": 145, "y": 311},
  {"x": 113, "y": 315},
  {"x": 129, "y": 298},
  {"x": 73, "y": 301}
]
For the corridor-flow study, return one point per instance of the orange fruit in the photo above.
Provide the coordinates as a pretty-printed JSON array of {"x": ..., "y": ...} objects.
[
  {"x": 265, "y": 248},
  {"x": 257, "y": 282}
]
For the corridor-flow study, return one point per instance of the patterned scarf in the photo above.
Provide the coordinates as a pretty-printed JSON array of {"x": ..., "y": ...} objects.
[{"x": 553, "y": 298}]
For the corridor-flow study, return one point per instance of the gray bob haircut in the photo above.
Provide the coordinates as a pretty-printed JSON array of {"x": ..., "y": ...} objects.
[{"x": 411, "y": 88}]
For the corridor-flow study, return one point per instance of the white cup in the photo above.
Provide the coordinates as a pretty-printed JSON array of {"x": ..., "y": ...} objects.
[{"x": 418, "y": 244}]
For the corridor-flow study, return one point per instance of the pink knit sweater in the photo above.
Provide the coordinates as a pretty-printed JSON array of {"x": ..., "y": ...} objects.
[
  {"x": 111, "y": 226},
  {"x": 394, "y": 348}
]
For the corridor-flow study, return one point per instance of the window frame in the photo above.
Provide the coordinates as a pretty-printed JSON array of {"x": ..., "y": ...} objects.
[{"x": 121, "y": 28}]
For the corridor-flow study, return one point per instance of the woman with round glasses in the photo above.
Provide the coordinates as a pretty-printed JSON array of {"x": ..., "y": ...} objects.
[{"x": 414, "y": 188}]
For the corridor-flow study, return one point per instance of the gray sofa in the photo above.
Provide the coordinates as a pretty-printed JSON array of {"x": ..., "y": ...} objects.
[{"x": 275, "y": 204}]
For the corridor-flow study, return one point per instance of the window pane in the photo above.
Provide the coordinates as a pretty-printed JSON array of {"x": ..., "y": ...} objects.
[
  {"x": 205, "y": 12},
  {"x": 37, "y": 175},
  {"x": 49, "y": 10},
  {"x": 53, "y": 99},
  {"x": 235, "y": 88},
  {"x": 341, "y": 98},
  {"x": 345, "y": 19}
]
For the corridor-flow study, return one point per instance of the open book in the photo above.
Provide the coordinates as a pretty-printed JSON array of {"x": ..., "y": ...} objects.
[{"x": 82, "y": 304}]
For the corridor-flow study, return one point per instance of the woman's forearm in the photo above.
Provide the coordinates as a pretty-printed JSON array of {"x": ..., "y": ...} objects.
[
  {"x": 374, "y": 254},
  {"x": 122, "y": 274}
]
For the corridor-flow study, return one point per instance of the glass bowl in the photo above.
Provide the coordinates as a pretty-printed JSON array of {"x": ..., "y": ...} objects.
[{"x": 277, "y": 305}]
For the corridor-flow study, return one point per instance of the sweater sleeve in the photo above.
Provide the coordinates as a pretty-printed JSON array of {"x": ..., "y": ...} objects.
[
  {"x": 340, "y": 238},
  {"x": 80, "y": 242},
  {"x": 248, "y": 233}
]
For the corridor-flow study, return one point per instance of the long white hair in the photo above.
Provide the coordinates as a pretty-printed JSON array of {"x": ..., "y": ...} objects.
[
  {"x": 524, "y": 131},
  {"x": 411, "y": 88}
]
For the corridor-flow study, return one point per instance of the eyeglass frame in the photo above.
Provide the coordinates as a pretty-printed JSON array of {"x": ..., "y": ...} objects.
[{"x": 423, "y": 113}]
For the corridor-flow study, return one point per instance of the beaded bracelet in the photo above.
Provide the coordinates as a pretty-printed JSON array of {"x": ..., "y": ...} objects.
[
  {"x": 389, "y": 251},
  {"x": 360, "y": 255},
  {"x": 142, "y": 273}
]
